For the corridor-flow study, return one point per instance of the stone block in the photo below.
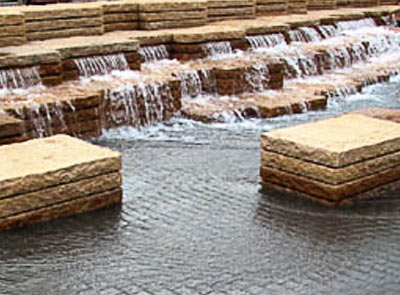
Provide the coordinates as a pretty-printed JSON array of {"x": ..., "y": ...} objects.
[
  {"x": 36, "y": 36},
  {"x": 158, "y": 25},
  {"x": 172, "y": 5},
  {"x": 207, "y": 34},
  {"x": 336, "y": 142},
  {"x": 42, "y": 163}
]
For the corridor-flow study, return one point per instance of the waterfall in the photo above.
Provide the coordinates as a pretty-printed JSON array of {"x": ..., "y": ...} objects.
[
  {"x": 137, "y": 105},
  {"x": 257, "y": 78},
  {"x": 101, "y": 64},
  {"x": 191, "y": 85},
  {"x": 19, "y": 78},
  {"x": 304, "y": 34},
  {"x": 300, "y": 66},
  {"x": 328, "y": 31},
  {"x": 266, "y": 41},
  {"x": 194, "y": 83},
  {"x": 154, "y": 53},
  {"x": 216, "y": 49},
  {"x": 356, "y": 24}
]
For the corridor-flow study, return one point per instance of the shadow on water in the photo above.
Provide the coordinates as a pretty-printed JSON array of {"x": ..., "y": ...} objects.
[{"x": 54, "y": 238}]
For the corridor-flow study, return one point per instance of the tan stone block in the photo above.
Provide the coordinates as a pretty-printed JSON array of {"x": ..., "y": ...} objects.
[
  {"x": 29, "y": 58},
  {"x": 113, "y": 7},
  {"x": 336, "y": 142},
  {"x": 12, "y": 41},
  {"x": 386, "y": 189},
  {"x": 35, "y": 36},
  {"x": 208, "y": 33},
  {"x": 61, "y": 24},
  {"x": 18, "y": 30},
  {"x": 97, "y": 47},
  {"x": 384, "y": 114},
  {"x": 33, "y": 13},
  {"x": 333, "y": 176},
  {"x": 172, "y": 15},
  {"x": 11, "y": 18},
  {"x": 77, "y": 206},
  {"x": 172, "y": 24},
  {"x": 228, "y": 3},
  {"x": 127, "y": 26},
  {"x": 58, "y": 194},
  {"x": 271, "y": 7},
  {"x": 175, "y": 5},
  {"x": 9, "y": 126},
  {"x": 230, "y": 11},
  {"x": 41, "y": 163},
  {"x": 327, "y": 191},
  {"x": 120, "y": 18}
]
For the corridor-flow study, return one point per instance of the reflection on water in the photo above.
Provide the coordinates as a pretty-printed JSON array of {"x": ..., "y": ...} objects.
[{"x": 194, "y": 222}]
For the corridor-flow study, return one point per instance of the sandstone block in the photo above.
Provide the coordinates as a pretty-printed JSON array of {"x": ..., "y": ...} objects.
[
  {"x": 336, "y": 142},
  {"x": 41, "y": 163}
]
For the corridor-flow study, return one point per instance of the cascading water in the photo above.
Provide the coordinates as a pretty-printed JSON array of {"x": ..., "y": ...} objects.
[
  {"x": 154, "y": 53},
  {"x": 19, "y": 78},
  {"x": 195, "y": 83},
  {"x": 356, "y": 24},
  {"x": 217, "y": 49},
  {"x": 257, "y": 78},
  {"x": 101, "y": 65},
  {"x": 266, "y": 41},
  {"x": 137, "y": 105},
  {"x": 300, "y": 66},
  {"x": 328, "y": 31},
  {"x": 304, "y": 34}
]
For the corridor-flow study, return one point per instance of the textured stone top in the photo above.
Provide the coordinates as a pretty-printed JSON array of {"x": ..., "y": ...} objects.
[
  {"x": 336, "y": 142},
  {"x": 41, "y": 163},
  {"x": 207, "y": 33}
]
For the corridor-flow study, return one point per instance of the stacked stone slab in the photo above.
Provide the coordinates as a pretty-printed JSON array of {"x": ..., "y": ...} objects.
[
  {"x": 189, "y": 44},
  {"x": 47, "y": 62},
  {"x": 230, "y": 9},
  {"x": 11, "y": 129},
  {"x": 231, "y": 79},
  {"x": 321, "y": 4},
  {"x": 388, "y": 2},
  {"x": 129, "y": 107},
  {"x": 59, "y": 21},
  {"x": 120, "y": 16},
  {"x": 155, "y": 14},
  {"x": 44, "y": 179},
  {"x": 271, "y": 7},
  {"x": 334, "y": 161},
  {"x": 89, "y": 47},
  {"x": 297, "y": 6},
  {"x": 363, "y": 3},
  {"x": 77, "y": 115},
  {"x": 12, "y": 28}
]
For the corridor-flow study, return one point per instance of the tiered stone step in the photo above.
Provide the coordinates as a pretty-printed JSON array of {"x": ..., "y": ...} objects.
[
  {"x": 12, "y": 28},
  {"x": 230, "y": 9},
  {"x": 334, "y": 161},
  {"x": 271, "y": 7},
  {"x": 297, "y": 6},
  {"x": 321, "y": 4},
  {"x": 44, "y": 179},
  {"x": 85, "y": 110},
  {"x": 55, "y": 58},
  {"x": 120, "y": 16},
  {"x": 155, "y": 14},
  {"x": 60, "y": 21},
  {"x": 11, "y": 129}
]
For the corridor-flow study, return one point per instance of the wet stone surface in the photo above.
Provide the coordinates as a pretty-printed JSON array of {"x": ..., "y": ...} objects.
[{"x": 193, "y": 222}]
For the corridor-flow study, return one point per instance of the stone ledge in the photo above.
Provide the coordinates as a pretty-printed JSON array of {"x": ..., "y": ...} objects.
[{"x": 347, "y": 140}]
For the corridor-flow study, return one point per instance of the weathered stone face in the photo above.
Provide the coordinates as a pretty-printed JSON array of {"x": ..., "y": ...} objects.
[
  {"x": 346, "y": 140},
  {"x": 334, "y": 161},
  {"x": 57, "y": 176}
]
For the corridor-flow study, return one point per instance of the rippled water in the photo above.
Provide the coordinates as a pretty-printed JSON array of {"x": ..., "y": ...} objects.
[{"x": 193, "y": 222}]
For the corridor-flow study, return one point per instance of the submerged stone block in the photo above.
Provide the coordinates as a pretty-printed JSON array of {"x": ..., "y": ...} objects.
[
  {"x": 58, "y": 176},
  {"x": 335, "y": 161}
]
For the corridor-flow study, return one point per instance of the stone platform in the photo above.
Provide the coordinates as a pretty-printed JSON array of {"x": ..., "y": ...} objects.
[
  {"x": 44, "y": 179},
  {"x": 334, "y": 161}
]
